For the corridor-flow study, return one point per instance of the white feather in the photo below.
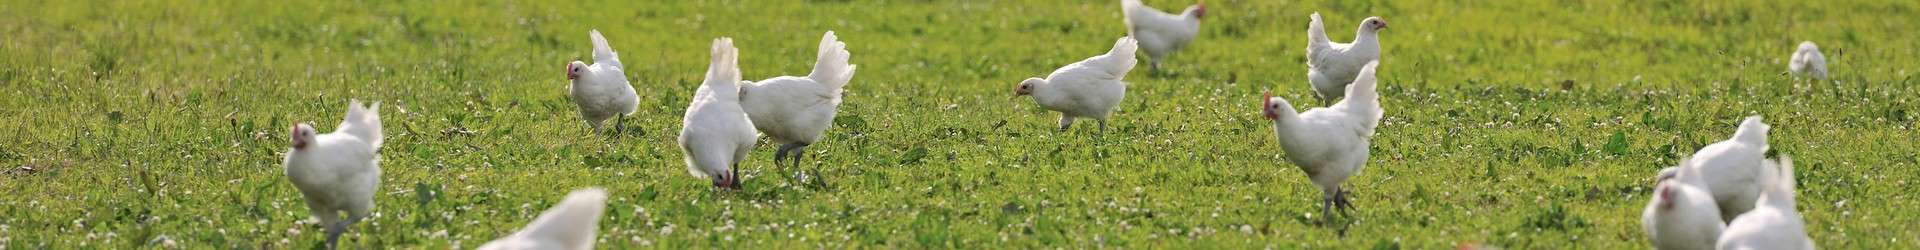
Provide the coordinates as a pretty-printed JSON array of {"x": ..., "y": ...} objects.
[
  {"x": 1682, "y": 213},
  {"x": 1331, "y": 66},
  {"x": 716, "y": 134},
  {"x": 602, "y": 91},
  {"x": 338, "y": 172},
  {"x": 1774, "y": 223},
  {"x": 1808, "y": 62},
  {"x": 571, "y": 224},
  {"x": 1732, "y": 168},
  {"x": 1329, "y": 144},
  {"x": 799, "y": 109},
  {"x": 1161, "y": 33},
  {"x": 1089, "y": 88}
]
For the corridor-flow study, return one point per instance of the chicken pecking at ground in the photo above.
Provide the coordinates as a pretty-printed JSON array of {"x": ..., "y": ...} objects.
[{"x": 715, "y": 134}]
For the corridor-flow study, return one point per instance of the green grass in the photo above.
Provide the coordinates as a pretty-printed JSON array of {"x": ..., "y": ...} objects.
[{"x": 1524, "y": 124}]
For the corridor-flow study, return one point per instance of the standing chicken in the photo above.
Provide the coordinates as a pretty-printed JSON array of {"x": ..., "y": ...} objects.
[
  {"x": 1088, "y": 89},
  {"x": 1773, "y": 224},
  {"x": 569, "y": 225},
  {"x": 1682, "y": 214},
  {"x": 338, "y": 172},
  {"x": 1807, "y": 62},
  {"x": 1329, "y": 144},
  {"x": 1160, "y": 33},
  {"x": 716, "y": 134},
  {"x": 1331, "y": 66},
  {"x": 795, "y": 111},
  {"x": 1733, "y": 168},
  {"x": 601, "y": 90}
]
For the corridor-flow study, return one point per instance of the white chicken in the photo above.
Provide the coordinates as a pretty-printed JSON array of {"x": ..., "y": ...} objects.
[
  {"x": 601, "y": 90},
  {"x": 1086, "y": 89},
  {"x": 1329, "y": 144},
  {"x": 1161, "y": 33},
  {"x": 795, "y": 111},
  {"x": 338, "y": 172},
  {"x": 1733, "y": 169},
  {"x": 569, "y": 225},
  {"x": 716, "y": 134},
  {"x": 1682, "y": 214},
  {"x": 1808, "y": 62},
  {"x": 1331, "y": 66},
  {"x": 1774, "y": 223}
]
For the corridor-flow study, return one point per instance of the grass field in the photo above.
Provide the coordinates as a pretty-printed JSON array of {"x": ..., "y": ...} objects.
[{"x": 1522, "y": 124}]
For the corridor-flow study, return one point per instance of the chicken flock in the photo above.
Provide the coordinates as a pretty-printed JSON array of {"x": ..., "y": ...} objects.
[{"x": 1727, "y": 195}]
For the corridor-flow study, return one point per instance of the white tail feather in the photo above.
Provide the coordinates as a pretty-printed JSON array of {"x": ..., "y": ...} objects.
[
  {"x": 1752, "y": 130},
  {"x": 363, "y": 122},
  {"x": 831, "y": 67},
  {"x": 1124, "y": 47},
  {"x": 1317, "y": 33},
  {"x": 1782, "y": 188},
  {"x": 1127, "y": 7},
  {"x": 1361, "y": 96},
  {"x": 1120, "y": 59},
  {"x": 1363, "y": 87},
  {"x": 724, "y": 71},
  {"x": 602, "y": 52},
  {"x": 573, "y": 222}
]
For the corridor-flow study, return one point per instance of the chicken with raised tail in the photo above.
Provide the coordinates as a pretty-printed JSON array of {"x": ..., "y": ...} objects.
[
  {"x": 1682, "y": 214},
  {"x": 715, "y": 134},
  {"x": 1733, "y": 168},
  {"x": 1161, "y": 33},
  {"x": 1331, "y": 66},
  {"x": 338, "y": 172},
  {"x": 1773, "y": 223},
  {"x": 1086, "y": 89},
  {"x": 1329, "y": 144},
  {"x": 1808, "y": 62},
  {"x": 601, "y": 90},
  {"x": 795, "y": 111},
  {"x": 572, "y": 224}
]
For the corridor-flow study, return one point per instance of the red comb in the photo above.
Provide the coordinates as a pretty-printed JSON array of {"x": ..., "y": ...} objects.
[{"x": 1266, "y": 98}]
